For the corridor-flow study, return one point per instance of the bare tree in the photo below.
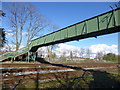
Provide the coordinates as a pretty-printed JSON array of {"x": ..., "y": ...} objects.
[
  {"x": 2, "y": 32},
  {"x": 25, "y": 20},
  {"x": 71, "y": 55},
  {"x": 50, "y": 51},
  {"x": 88, "y": 53},
  {"x": 75, "y": 53},
  {"x": 116, "y": 5},
  {"x": 71, "y": 80},
  {"x": 63, "y": 56},
  {"x": 8, "y": 48},
  {"x": 81, "y": 52},
  {"x": 99, "y": 55}
]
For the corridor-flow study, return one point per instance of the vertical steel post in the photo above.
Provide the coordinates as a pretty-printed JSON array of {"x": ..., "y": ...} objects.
[
  {"x": 28, "y": 57},
  {"x": 36, "y": 54},
  {"x": 34, "y": 57},
  {"x": 14, "y": 59},
  {"x": 11, "y": 60}
]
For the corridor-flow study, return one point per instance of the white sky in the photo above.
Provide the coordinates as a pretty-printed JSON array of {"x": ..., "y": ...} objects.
[{"x": 65, "y": 49}]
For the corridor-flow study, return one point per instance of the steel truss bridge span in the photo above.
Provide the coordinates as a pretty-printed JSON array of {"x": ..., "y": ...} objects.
[{"x": 102, "y": 24}]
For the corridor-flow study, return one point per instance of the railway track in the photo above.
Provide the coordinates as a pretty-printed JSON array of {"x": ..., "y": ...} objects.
[{"x": 11, "y": 72}]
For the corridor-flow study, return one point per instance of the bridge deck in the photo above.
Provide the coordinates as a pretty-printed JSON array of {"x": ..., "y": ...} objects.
[{"x": 99, "y": 25}]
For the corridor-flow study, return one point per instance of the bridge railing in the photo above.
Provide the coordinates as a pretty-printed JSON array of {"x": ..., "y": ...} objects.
[{"x": 14, "y": 53}]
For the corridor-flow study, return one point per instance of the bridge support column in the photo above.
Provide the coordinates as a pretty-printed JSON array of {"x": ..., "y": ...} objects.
[
  {"x": 34, "y": 56},
  {"x": 28, "y": 57},
  {"x": 12, "y": 59}
]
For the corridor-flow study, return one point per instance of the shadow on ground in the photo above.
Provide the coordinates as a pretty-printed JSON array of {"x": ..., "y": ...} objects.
[{"x": 100, "y": 79}]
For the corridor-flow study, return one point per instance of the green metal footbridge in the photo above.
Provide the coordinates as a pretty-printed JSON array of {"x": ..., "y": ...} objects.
[{"x": 102, "y": 24}]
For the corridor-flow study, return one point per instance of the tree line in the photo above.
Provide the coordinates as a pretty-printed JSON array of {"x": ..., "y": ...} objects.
[
  {"x": 81, "y": 53},
  {"x": 2, "y": 32}
]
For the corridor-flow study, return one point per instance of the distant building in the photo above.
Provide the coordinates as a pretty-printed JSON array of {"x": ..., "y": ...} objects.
[{"x": 1, "y": 53}]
